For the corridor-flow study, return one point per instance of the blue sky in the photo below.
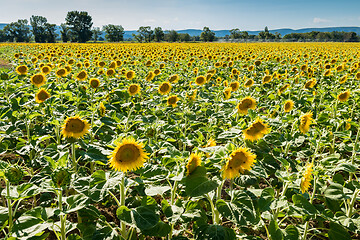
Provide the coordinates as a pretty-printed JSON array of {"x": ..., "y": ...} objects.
[{"x": 176, "y": 14}]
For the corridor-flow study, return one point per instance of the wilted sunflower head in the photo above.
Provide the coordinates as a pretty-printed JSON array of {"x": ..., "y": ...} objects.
[
  {"x": 133, "y": 89},
  {"x": 75, "y": 127},
  {"x": 164, "y": 88},
  {"x": 14, "y": 174},
  {"x": 41, "y": 96},
  {"x": 128, "y": 155},
  {"x": 38, "y": 79}
]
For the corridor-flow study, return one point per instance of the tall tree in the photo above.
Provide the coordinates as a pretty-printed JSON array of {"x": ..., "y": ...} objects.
[
  {"x": 18, "y": 31},
  {"x": 235, "y": 33},
  {"x": 50, "y": 32},
  {"x": 158, "y": 34},
  {"x": 96, "y": 33},
  {"x": 114, "y": 33},
  {"x": 65, "y": 32},
  {"x": 207, "y": 35},
  {"x": 172, "y": 36},
  {"x": 80, "y": 24},
  {"x": 38, "y": 28},
  {"x": 145, "y": 34}
]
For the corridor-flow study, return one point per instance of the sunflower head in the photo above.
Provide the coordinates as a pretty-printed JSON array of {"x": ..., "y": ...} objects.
[
  {"x": 61, "y": 177},
  {"x": 257, "y": 130},
  {"x": 246, "y": 104},
  {"x": 164, "y": 88},
  {"x": 193, "y": 162},
  {"x": 306, "y": 178},
  {"x": 134, "y": 89},
  {"x": 288, "y": 106},
  {"x": 310, "y": 84},
  {"x": 267, "y": 79},
  {"x": 82, "y": 75},
  {"x": 192, "y": 95},
  {"x": 173, "y": 78},
  {"x": 46, "y": 70},
  {"x": 21, "y": 70},
  {"x": 38, "y": 79},
  {"x": 249, "y": 83},
  {"x": 172, "y": 101},
  {"x": 110, "y": 72},
  {"x": 344, "y": 96},
  {"x": 102, "y": 109},
  {"x": 150, "y": 76},
  {"x": 75, "y": 127},
  {"x": 157, "y": 71},
  {"x": 94, "y": 82},
  {"x": 239, "y": 161},
  {"x": 200, "y": 80},
  {"x": 14, "y": 174},
  {"x": 234, "y": 86},
  {"x": 305, "y": 122},
  {"x": 211, "y": 143},
  {"x": 130, "y": 75},
  {"x": 41, "y": 96},
  {"x": 128, "y": 155},
  {"x": 227, "y": 93}
]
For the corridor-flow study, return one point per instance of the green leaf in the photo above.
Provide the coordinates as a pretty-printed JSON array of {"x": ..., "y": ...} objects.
[
  {"x": 161, "y": 229},
  {"x": 275, "y": 231},
  {"x": 155, "y": 190},
  {"x": 336, "y": 191},
  {"x": 214, "y": 232},
  {"x": 145, "y": 217},
  {"x": 291, "y": 233},
  {"x": 338, "y": 232},
  {"x": 197, "y": 184},
  {"x": 124, "y": 214},
  {"x": 302, "y": 206},
  {"x": 76, "y": 202}
]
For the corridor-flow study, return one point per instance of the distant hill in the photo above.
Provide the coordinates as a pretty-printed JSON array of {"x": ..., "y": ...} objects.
[{"x": 223, "y": 33}]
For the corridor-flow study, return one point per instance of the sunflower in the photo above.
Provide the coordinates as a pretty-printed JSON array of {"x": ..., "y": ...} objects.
[
  {"x": 164, "y": 88},
  {"x": 310, "y": 84},
  {"x": 110, "y": 72},
  {"x": 172, "y": 100},
  {"x": 234, "y": 86},
  {"x": 257, "y": 130},
  {"x": 82, "y": 75},
  {"x": 344, "y": 96},
  {"x": 343, "y": 79},
  {"x": 357, "y": 75},
  {"x": 41, "y": 96},
  {"x": 130, "y": 75},
  {"x": 21, "y": 70},
  {"x": 267, "y": 79},
  {"x": 227, "y": 93},
  {"x": 306, "y": 178},
  {"x": 239, "y": 161},
  {"x": 102, "y": 109},
  {"x": 200, "y": 80},
  {"x": 150, "y": 76},
  {"x": 128, "y": 155},
  {"x": 305, "y": 122},
  {"x": 46, "y": 70},
  {"x": 94, "y": 82},
  {"x": 173, "y": 78},
  {"x": 38, "y": 79},
  {"x": 246, "y": 104},
  {"x": 133, "y": 89},
  {"x": 192, "y": 95},
  {"x": 249, "y": 83},
  {"x": 348, "y": 124},
  {"x": 193, "y": 162},
  {"x": 157, "y": 71},
  {"x": 288, "y": 106},
  {"x": 283, "y": 88},
  {"x": 210, "y": 143},
  {"x": 75, "y": 127}
]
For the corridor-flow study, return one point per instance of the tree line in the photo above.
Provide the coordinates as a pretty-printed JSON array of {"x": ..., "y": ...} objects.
[{"x": 78, "y": 28}]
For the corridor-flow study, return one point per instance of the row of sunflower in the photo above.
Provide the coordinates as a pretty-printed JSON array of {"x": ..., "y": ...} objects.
[{"x": 180, "y": 141}]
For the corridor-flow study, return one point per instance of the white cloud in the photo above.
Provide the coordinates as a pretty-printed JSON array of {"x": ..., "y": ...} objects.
[
  {"x": 321, "y": 20},
  {"x": 149, "y": 21}
]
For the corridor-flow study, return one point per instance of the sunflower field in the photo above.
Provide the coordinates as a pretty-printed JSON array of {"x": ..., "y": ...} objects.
[{"x": 180, "y": 141}]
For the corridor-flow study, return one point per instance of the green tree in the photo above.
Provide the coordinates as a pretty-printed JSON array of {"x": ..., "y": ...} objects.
[
  {"x": 207, "y": 35},
  {"x": 80, "y": 24},
  {"x": 18, "y": 31},
  {"x": 159, "y": 34},
  {"x": 144, "y": 34},
  {"x": 184, "y": 37},
  {"x": 114, "y": 33},
  {"x": 38, "y": 28},
  {"x": 65, "y": 32},
  {"x": 96, "y": 32},
  {"x": 235, "y": 33},
  {"x": 172, "y": 36},
  {"x": 50, "y": 32}
]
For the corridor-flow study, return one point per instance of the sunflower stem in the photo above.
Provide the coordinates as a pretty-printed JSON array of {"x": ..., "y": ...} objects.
[
  {"x": 92, "y": 117},
  {"x": 62, "y": 218},
  {"x": 311, "y": 201},
  {"x": 349, "y": 213},
  {"x": 10, "y": 214},
  {"x": 122, "y": 203},
  {"x": 354, "y": 153},
  {"x": 73, "y": 156}
]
